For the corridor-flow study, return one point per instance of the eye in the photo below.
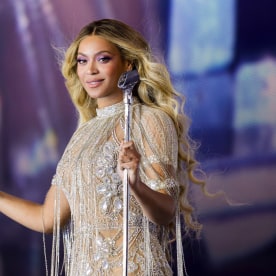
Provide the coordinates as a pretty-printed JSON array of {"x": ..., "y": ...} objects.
[
  {"x": 81, "y": 60},
  {"x": 104, "y": 59}
]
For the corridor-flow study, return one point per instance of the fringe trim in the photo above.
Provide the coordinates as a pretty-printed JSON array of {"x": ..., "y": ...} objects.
[{"x": 181, "y": 266}]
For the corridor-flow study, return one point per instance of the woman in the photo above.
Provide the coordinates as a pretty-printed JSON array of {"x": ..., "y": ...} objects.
[{"x": 85, "y": 200}]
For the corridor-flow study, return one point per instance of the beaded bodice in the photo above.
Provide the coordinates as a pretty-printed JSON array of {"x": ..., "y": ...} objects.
[{"x": 87, "y": 176}]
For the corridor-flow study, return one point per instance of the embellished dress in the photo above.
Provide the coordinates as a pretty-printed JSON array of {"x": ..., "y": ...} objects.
[{"x": 86, "y": 174}]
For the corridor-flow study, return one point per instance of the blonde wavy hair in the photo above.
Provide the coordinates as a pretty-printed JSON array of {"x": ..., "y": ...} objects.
[{"x": 155, "y": 89}]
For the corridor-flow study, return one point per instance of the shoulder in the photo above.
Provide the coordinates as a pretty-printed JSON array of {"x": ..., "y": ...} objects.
[
  {"x": 154, "y": 119},
  {"x": 148, "y": 113},
  {"x": 155, "y": 115}
]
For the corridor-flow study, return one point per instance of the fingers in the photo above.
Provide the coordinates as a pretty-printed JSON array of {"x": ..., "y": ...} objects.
[
  {"x": 128, "y": 156},
  {"x": 125, "y": 146},
  {"x": 129, "y": 159},
  {"x": 127, "y": 149}
]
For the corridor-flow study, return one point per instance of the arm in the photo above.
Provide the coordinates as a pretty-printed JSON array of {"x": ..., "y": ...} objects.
[
  {"x": 38, "y": 217},
  {"x": 159, "y": 207}
]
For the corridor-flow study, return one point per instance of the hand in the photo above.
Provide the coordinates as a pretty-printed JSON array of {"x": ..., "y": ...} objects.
[{"x": 129, "y": 159}]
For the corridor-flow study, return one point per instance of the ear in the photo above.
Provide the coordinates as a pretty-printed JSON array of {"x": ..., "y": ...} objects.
[{"x": 129, "y": 66}]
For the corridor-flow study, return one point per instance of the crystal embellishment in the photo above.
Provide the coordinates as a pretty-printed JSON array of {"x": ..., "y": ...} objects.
[
  {"x": 109, "y": 190},
  {"x": 110, "y": 110}
]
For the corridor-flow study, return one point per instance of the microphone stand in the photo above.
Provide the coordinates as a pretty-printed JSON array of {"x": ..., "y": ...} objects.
[
  {"x": 128, "y": 102},
  {"x": 126, "y": 82}
]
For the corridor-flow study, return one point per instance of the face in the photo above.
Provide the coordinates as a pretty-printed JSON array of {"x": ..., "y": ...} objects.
[{"x": 99, "y": 68}]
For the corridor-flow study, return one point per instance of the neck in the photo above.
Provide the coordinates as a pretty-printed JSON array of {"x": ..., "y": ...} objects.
[{"x": 108, "y": 101}]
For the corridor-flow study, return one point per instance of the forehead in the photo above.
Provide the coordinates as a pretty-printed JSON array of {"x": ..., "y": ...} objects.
[{"x": 94, "y": 44}]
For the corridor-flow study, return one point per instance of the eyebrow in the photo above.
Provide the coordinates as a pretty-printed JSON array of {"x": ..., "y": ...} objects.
[{"x": 98, "y": 53}]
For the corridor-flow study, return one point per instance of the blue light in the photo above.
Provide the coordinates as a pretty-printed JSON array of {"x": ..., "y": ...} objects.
[{"x": 201, "y": 35}]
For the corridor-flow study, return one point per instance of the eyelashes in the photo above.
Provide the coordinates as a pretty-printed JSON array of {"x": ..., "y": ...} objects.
[
  {"x": 81, "y": 60},
  {"x": 104, "y": 59},
  {"x": 101, "y": 59}
]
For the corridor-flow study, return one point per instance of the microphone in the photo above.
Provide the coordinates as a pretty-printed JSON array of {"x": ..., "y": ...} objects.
[
  {"x": 126, "y": 82},
  {"x": 128, "y": 79}
]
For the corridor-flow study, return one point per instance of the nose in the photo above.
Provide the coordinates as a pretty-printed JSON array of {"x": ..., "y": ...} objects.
[{"x": 92, "y": 68}]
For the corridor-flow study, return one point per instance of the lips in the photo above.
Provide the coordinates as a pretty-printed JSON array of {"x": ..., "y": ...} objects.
[{"x": 94, "y": 83}]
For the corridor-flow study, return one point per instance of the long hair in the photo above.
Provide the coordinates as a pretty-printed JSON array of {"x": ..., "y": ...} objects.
[{"x": 155, "y": 89}]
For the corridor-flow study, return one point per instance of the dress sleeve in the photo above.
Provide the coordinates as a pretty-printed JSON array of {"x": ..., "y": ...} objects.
[{"x": 156, "y": 138}]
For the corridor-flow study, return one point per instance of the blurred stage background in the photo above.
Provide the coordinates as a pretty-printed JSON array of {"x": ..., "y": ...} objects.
[{"x": 222, "y": 56}]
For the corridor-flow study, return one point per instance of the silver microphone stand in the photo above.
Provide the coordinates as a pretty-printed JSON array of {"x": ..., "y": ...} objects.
[{"x": 126, "y": 82}]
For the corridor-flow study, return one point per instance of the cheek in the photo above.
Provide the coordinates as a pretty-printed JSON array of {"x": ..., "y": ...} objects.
[
  {"x": 114, "y": 68},
  {"x": 115, "y": 72},
  {"x": 79, "y": 73}
]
